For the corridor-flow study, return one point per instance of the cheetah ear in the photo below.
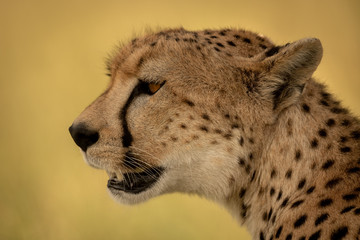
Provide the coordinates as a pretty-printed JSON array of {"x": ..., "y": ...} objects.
[{"x": 287, "y": 70}]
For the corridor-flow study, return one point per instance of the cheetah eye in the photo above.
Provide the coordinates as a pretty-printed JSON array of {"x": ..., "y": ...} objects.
[
  {"x": 150, "y": 87},
  {"x": 154, "y": 87}
]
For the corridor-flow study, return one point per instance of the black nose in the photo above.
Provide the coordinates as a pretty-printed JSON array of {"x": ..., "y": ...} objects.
[{"x": 83, "y": 136}]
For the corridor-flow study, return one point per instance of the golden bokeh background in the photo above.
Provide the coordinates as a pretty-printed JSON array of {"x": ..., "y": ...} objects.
[{"x": 52, "y": 66}]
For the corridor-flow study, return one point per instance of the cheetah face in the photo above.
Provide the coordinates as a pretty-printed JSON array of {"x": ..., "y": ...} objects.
[
  {"x": 151, "y": 140},
  {"x": 175, "y": 116}
]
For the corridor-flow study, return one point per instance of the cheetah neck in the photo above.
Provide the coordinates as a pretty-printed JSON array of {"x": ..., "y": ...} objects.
[{"x": 301, "y": 144}]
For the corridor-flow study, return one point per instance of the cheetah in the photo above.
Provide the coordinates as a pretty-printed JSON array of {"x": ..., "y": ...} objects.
[{"x": 232, "y": 117}]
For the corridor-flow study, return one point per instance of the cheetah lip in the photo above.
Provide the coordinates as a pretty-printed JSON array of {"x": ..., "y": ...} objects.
[{"x": 136, "y": 182}]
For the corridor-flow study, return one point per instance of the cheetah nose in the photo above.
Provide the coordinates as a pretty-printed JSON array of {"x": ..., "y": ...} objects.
[{"x": 83, "y": 136}]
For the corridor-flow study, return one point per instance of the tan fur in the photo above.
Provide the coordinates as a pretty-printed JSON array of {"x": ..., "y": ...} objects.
[{"x": 238, "y": 122}]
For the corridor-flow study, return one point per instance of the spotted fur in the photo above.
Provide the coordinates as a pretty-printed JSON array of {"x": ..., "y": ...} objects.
[{"x": 236, "y": 119}]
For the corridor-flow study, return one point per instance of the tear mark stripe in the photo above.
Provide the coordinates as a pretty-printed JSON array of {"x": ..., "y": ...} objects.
[{"x": 127, "y": 137}]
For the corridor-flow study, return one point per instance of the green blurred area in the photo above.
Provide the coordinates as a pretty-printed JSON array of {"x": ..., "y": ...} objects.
[{"x": 52, "y": 66}]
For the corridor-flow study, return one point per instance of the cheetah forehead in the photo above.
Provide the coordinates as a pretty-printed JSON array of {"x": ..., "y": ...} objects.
[{"x": 226, "y": 43}]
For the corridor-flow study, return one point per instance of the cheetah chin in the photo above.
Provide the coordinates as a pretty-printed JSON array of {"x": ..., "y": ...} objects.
[
  {"x": 132, "y": 187},
  {"x": 136, "y": 187}
]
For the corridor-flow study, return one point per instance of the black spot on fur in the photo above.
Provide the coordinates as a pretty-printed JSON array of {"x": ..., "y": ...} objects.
[
  {"x": 279, "y": 195},
  {"x": 289, "y": 236},
  {"x": 343, "y": 139},
  {"x": 222, "y": 33},
  {"x": 273, "y": 219},
  {"x": 262, "y": 236},
  {"x": 237, "y": 36},
  {"x": 220, "y": 45},
  {"x": 272, "y": 191},
  {"x": 301, "y": 183},
  {"x": 272, "y": 51},
  {"x": 244, "y": 210},
  {"x": 315, "y": 236},
  {"x": 300, "y": 221},
  {"x": 273, "y": 173},
  {"x": 306, "y": 108},
  {"x": 247, "y": 40},
  {"x": 347, "y": 209},
  {"x": 322, "y": 133},
  {"x": 278, "y": 232},
  {"x": 264, "y": 216},
  {"x": 253, "y": 176},
  {"x": 241, "y": 141},
  {"x": 288, "y": 174},
  {"x": 213, "y": 36},
  {"x": 322, "y": 218},
  {"x": 206, "y": 117},
  {"x": 337, "y": 110},
  {"x": 329, "y": 163},
  {"x": 314, "y": 143},
  {"x": 339, "y": 233},
  {"x": 241, "y": 161},
  {"x": 333, "y": 182},
  {"x": 188, "y": 102},
  {"x": 297, "y": 203},
  {"x": 325, "y": 95},
  {"x": 345, "y": 123},
  {"x": 325, "y": 103},
  {"x": 355, "y": 135},
  {"x": 242, "y": 192},
  {"x": 330, "y": 122},
  {"x": 218, "y": 50},
  {"x": 285, "y": 202},
  {"x": 325, "y": 202},
  {"x": 310, "y": 190},
  {"x": 357, "y": 211},
  {"x": 345, "y": 149},
  {"x": 297, "y": 155},
  {"x": 227, "y": 136},
  {"x": 153, "y": 44},
  {"x": 231, "y": 43},
  {"x": 247, "y": 169},
  {"x": 218, "y": 131},
  {"x": 204, "y": 128},
  {"x": 262, "y": 46},
  {"x": 349, "y": 197},
  {"x": 353, "y": 170},
  {"x": 270, "y": 213}
]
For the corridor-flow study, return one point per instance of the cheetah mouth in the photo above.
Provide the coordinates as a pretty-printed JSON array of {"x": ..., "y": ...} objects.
[{"x": 135, "y": 182}]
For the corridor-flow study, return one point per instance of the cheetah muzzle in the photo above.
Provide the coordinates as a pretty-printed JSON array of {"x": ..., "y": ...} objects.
[{"x": 231, "y": 117}]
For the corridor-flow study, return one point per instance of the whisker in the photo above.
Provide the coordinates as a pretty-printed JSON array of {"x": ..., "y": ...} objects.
[
  {"x": 142, "y": 150},
  {"x": 151, "y": 172},
  {"x": 139, "y": 163}
]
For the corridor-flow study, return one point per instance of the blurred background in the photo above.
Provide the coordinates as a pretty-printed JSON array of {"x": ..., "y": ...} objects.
[{"x": 52, "y": 66}]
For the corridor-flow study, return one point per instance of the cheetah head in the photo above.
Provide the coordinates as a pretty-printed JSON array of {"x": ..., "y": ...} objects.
[{"x": 181, "y": 107}]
